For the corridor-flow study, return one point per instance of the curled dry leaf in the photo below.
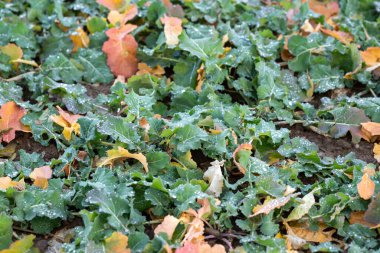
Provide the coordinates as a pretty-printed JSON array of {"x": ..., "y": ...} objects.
[
  {"x": 215, "y": 178},
  {"x": 116, "y": 243},
  {"x": 376, "y": 152},
  {"x": 172, "y": 29},
  {"x": 143, "y": 69},
  {"x": 121, "y": 50},
  {"x": 366, "y": 187},
  {"x": 167, "y": 226},
  {"x": 115, "y": 17},
  {"x": 68, "y": 121},
  {"x": 370, "y": 131},
  {"x": 41, "y": 176},
  {"x": 122, "y": 154},
  {"x": 118, "y": 5},
  {"x": 245, "y": 146},
  {"x": 271, "y": 204},
  {"x": 6, "y": 182},
  {"x": 10, "y": 121},
  {"x": 80, "y": 39}
]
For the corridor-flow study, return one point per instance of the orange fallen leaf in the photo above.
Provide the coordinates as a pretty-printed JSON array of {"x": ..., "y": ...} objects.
[
  {"x": 343, "y": 37},
  {"x": 172, "y": 29},
  {"x": 41, "y": 176},
  {"x": 167, "y": 226},
  {"x": 115, "y": 17},
  {"x": 116, "y": 243},
  {"x": 358, "y": 218},
  {"x": 117, "y": 5},
  {"x": 143, "y": 69},
  {"x": 80, "y": 39},
  {"x": 245, "y": 146},
  {"x": 371, "y": 56},
  {"x": 10, "y": 121},
  {"x": 327, "y": 9},
  {"x": 370, "y": 131},
  {"x": 122, "y": 154},
  {"x": 68, "y": 122},
  {"x": 303, "y": 231},
  {"x": 376, "y": 152},
  {"x": 6, "y": 182},
  {"x": 308, "y": 27},
  {"x": 366, "y": 187},
  {"x": 121, "y": 50},
  {"x": 271, "y": 204}
]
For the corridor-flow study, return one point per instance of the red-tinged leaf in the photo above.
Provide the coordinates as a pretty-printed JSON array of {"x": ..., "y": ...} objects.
[
  {"x": 115, "y": 17},
  {"x": 121, "y": 50},
  {"x": 117, "y": 5},
  {"x": 10, "y": 122},
  {"x": 41, "y": 176},
  {"x": 327, "y": 9},
  {"x": 245, "y": 146},
  {"x": 172, "y": 29}
]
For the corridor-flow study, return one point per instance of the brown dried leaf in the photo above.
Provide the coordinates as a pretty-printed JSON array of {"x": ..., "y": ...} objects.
[{"x": 370, "y": 131}]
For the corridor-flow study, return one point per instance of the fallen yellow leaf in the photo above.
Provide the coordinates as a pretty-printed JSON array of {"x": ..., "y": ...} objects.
[
  {"x": 122, "y": 154},
  {"x": 80, "y": 39},
  {"x": 366, "y": 187},
  {"x": 117, "y": 243},
  {"x": 41, "y": 176},
  {"x": 167, "y": 226}
]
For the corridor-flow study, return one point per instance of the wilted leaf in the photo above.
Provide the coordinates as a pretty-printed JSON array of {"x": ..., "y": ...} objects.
[
  {"x": 68, "y": 122},
  {"x": 121, "y": 49},
  {"x": 167, "y": 226},
  {"x": 303, "y": 231},
  {"x": 371, "y": 56},
  {"x": 122, "y": 154},
  {"x": 115, "y": 17},
  {"x": 358, "y": 218},
  {"x": 215, "y": 178},
  {"x": 245, "y": 146},
  {"x": 371, "y": 131},
  {"x": 20, "y": 246},
  {"x": 172, "y": 29},
  {"x": 271, "y": 204},
  {"x": 143, "y": 69},
  {"x": 343, "y": 37},
  {"x": 10, "y": 122},
  {"x": 366, "y": 187},
  {"x": 6, "y": 182},
  {"x": 116, "y": 243},
  {"x": 307, "y": 202},
  {"x": 79, "y": 39},
  {"x": 41, "y": 175},
  {"x": 118, "y": 5}
]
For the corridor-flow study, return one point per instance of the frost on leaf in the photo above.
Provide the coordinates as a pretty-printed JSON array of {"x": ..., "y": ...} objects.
[
  {"x": 215, "y": 178},
  {"x": 80, "y": 39},
  {"x": 10, "y": 121},
  {"x": 271, "y": 204},
  {"x": 121, "y": 154},
  {"x": 121, "y": 50},
  {"x": 172, "y": 29}
]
